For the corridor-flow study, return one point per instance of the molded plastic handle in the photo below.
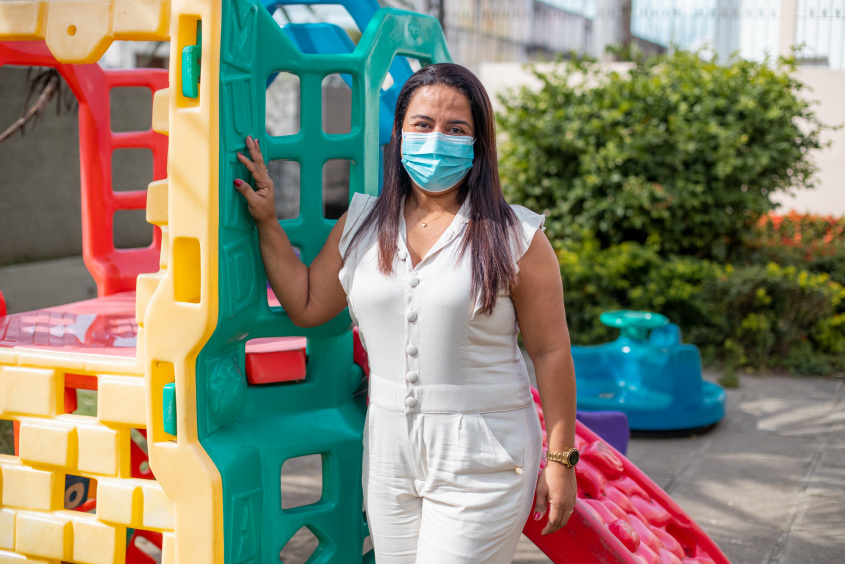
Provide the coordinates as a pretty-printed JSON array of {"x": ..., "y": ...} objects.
[{"x": 634, "y": 325}]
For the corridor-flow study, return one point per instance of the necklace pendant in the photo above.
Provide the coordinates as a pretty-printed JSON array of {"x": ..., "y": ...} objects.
[{"x": 424, "y": 224}]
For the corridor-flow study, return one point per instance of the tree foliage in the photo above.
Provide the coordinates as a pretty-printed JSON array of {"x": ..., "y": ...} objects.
[
  {"x": 679, "y": 151},
  {"x": 759, "y": 316}
]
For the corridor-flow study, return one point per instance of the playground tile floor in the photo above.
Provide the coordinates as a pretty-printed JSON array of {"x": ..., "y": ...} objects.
[{"x": 767, "y": 483}]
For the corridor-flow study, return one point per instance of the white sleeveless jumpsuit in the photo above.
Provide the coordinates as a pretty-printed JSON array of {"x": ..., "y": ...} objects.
[{"x": 452, "y": 439}]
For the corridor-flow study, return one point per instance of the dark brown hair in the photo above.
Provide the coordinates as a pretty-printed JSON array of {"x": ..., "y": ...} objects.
[{"x": 492, "y": 223}]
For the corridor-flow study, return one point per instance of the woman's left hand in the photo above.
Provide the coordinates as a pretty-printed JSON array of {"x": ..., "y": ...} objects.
[{"x": 556, "y": 491}]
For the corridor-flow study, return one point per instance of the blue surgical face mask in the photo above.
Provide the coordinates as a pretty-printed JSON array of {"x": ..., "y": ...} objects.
[{"x": 435, "y": 161}]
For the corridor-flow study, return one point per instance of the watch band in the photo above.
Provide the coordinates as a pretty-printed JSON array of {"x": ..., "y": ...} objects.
[{"x": 568, "y": 458}]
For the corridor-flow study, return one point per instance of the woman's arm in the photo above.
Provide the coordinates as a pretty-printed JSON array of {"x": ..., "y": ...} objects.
[
  {"x": 538, "y": 299},
  {"x": 310, "y": 295}
]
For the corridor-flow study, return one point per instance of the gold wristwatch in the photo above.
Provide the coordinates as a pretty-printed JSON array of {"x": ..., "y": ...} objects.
[{"x": 568, "y": 458}]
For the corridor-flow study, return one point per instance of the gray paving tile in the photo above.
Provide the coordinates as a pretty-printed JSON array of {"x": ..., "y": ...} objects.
[
  {"x": 740, "y": 472},
  {"x": 833, "y": 454},
  {"x": 727, "y": 505},
  {"x": 798, "y": 417},
  {"x": 302, "y": 481},
  {"x": 527, "y": 553},
  {"x": 732, "y": 399},
  {"x": 828, "y": 481},
  {"x": 789, "y": 387},
  {"x": 663, "y": 481},
  {"x": 803, "y": 547},
  {"x": 300, "y": 547},
  {"x": 837, "y": 434},
  {"x": 750, "y": 445},
  {"x": 662, "y": 456},
  {"x": 744, "y": 545},
  {"x": 823, "y": 515},
  {"x": 828, "y": 478}
]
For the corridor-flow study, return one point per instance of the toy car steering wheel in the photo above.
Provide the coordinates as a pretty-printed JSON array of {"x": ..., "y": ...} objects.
[{"x": 634, "y": 325}]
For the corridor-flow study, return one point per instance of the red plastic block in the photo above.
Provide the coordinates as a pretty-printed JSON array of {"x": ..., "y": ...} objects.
[{"x": 275, "y": 359}]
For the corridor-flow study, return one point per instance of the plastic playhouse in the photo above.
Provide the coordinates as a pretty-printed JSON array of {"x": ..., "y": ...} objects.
[
  {"x": 649, "y": 374},
  {"x": 184, "y": 347}
]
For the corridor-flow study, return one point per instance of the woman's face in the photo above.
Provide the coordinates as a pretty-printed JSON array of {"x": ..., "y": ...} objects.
[{"x": 442, "y": 109}]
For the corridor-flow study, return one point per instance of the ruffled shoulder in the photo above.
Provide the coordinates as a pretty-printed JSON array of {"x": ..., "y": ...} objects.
[
  {"x": 529, "y": 223},
  {"x": 359, "y": 209}
]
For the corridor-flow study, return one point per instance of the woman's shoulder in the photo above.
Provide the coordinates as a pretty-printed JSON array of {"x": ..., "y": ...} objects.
[
  {"x": 360, "y": 203},
  {"x": 359, "y": 208},
  {"x": 529, "y": 223}
]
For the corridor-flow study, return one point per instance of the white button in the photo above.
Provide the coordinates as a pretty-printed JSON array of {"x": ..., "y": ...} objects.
[
  {"x": 411, "y": 401},
  {"x": 411, "y": 350},
  {"x": 402, "y": 255},
  {"x": 414, "y": 282},
  {"x": 518, "y": 470},
  {"x": 411, "y": 316},
  {"x": 411, "y": 377}
]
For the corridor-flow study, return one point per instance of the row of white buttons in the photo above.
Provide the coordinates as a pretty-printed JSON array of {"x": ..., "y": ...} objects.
[{"x": 411, "y": 349}]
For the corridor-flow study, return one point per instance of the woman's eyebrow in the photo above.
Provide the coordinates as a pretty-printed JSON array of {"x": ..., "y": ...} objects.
[
  {"x": 459, "y": 121},
  {"x": 421, "y": 116}
]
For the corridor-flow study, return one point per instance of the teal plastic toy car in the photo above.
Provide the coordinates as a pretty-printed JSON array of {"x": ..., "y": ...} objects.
[{"x": 649, "y": 374}]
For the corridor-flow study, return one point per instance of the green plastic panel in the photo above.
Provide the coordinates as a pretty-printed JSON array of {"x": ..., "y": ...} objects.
[
  {"x": 168, "y": 408},
  {"x": 250, "y": 432}
]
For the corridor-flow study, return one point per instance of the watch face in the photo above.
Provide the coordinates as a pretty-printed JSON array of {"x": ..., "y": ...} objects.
[{"x": 573, "y": 457}]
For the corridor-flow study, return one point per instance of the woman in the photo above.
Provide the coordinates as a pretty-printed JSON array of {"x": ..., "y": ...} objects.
[{"x": 437, "y": 272}]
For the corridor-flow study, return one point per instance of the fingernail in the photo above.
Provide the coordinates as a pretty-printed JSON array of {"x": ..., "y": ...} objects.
[
  {"x": 240, "y": 154},
  {"x": 238, "y": 182},
  {"x": 537, "y": 515}
]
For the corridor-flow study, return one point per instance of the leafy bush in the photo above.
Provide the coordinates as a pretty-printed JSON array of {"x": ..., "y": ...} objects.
[
  {"x": 808, "y": 242},
  {"x": 750, "y": 316},
  {"x": 679, "y": 152},
  {"x": 629, "y": 276},
  {"x": 776, "y": 313}
]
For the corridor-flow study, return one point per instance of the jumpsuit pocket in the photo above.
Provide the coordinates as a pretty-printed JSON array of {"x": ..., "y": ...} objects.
[{"x": 507, "y": 432}]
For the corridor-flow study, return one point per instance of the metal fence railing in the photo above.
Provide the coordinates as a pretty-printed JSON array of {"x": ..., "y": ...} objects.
[{"x": 820, "y": 28}]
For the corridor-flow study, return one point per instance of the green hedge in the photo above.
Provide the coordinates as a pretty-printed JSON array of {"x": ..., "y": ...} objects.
[
  {"x": 679, "y": 150},
  {"x": 808, "y": 242},
  {"x": 758, "y": 316}
]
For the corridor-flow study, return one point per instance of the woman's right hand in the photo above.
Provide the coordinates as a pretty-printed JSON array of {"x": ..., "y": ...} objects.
[
  {"x": 261, "y": 201},
  {"x": 310, "y": 295}
]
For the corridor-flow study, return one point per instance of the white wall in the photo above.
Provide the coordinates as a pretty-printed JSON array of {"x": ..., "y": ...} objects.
[{"x": 825, "y": 88}]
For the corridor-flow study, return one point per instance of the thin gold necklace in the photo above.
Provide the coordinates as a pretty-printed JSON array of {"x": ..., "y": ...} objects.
[
  {"x": 426, "y": 223},
  {"x": 430, "y": 221}
]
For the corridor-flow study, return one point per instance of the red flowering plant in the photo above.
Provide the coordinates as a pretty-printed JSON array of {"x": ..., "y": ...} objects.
[
  {"x": 811, "y": 242},
  {"x": 814, "y": 233}
]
